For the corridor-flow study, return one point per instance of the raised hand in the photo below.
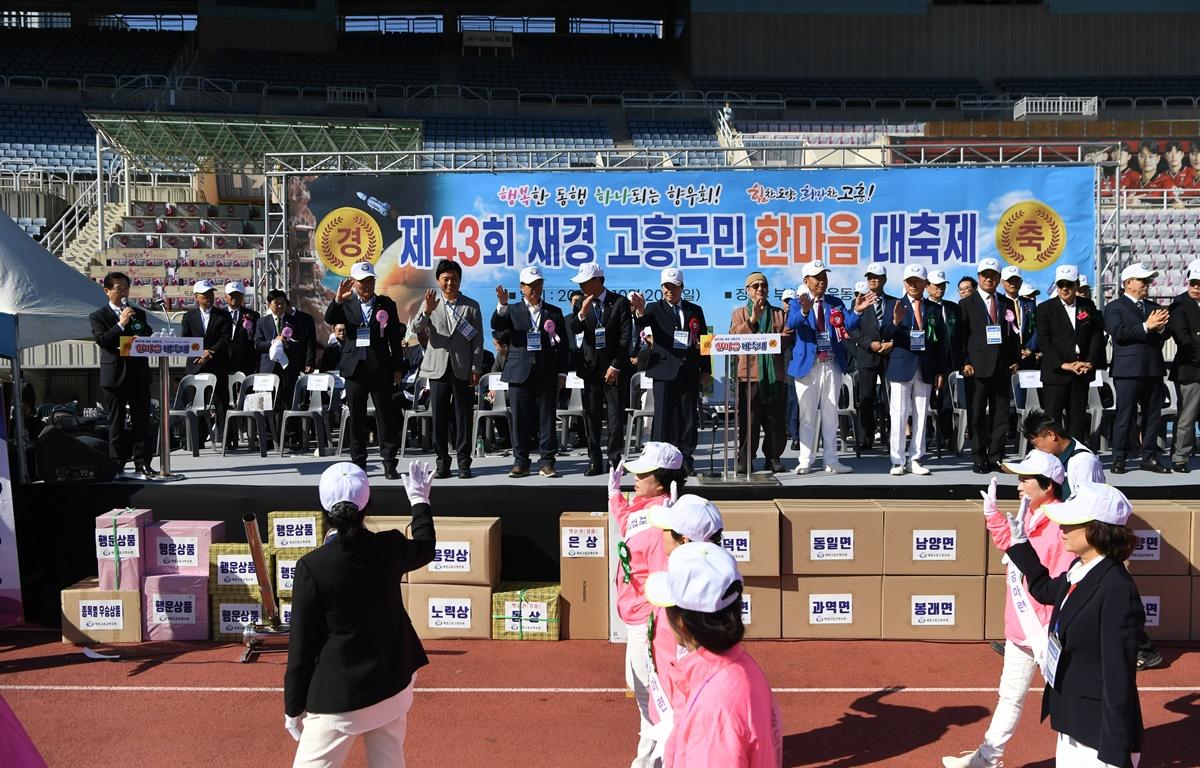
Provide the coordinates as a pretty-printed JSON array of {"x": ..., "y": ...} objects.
[
  {"x": 430, "y": 301},
  {"x": 864, "y": 301},
  {"x": 614, "y": 478},
  {"x": 344, "y": 289},
  {"x": 1016, "y": 529},
  {"x": 897, "y": 312},
  {"x": 586, "y": 306},
  {"x": 418, "y": 482},
  {"x": 989, "y": 499},
  {"x": 637, "y": 302},
  {"x": 1158, "y": 319},
  {"x": 501, "y": 294},
  {"x": 806, "y": 302}
]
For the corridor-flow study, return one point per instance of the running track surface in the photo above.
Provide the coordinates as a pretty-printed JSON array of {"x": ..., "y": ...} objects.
[{"x": 487, "y": 704}]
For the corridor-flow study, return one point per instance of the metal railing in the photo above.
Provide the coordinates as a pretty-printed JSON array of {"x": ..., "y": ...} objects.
[
  {"x": 430, "y": 24},
  {"x": 63, "y": 233},
  {"x": 1056, "y": 106},
  {"x": 211, "y": 239}
]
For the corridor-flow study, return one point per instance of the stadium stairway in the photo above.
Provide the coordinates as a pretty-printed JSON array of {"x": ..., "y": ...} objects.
[{"x": 80, "y": 253}]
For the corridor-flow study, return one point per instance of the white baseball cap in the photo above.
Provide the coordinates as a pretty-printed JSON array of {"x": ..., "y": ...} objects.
[
  {"x": 587, "y": 272},
  {"x": 861, "y": 287},
  {"x": 938, "y": 277},
  {"x": 1010, "y": 272},
  {"x": 1037, "y": 463},
  {"x": 362, "y": 270},
  {"x": 344, "y": 481},
  {"x": 1194, "y": 264},
  {"x": 671, "y": 275},
  {"x": 877, "y": 270},
  {"x": 690, "y": 515},
  {"x": 531, "y": 275},
  {"x": 814, "y": 268},
  {"x": 1028, "y": 291},
  {"x": 1083, "y": 280},
  {"x": 1068, "y": 272},
  {"x": 986, "y": 264},
  {"x": 1137, "y": 271},
  {"x": 1091, "y": 501},
  {"x": 235, "y": 286},
  {"x": 203, "y": 286},
  {"x": 788, "y": 295},
  {"x": 699, "y": 577},
  {"x": 916, "y": 270},
  {"x": 1193, "y": 274},
  {"x": 656, "y": 456}
]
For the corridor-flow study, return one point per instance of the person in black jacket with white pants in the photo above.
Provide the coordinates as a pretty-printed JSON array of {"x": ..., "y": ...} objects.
[
  {"x": 1091, "y": 696},
  {"x": 352, "y": 653}
]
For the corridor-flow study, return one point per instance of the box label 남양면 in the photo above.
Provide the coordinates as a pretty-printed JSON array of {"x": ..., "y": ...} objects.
[
  {"x": 124, "y": 543},
  {"x": 835, "y": 544},
  {"x": 933, "y": 610},
  {"x": 524, "y": 617},
  {"x": 1148, "y": 546},
  {"x": 738, "y": 544},
  {"x": 177, "y": 551},
  {"x": 831, "y": 609},
  {"x": 582, "y": 542},
  {"x": 173, "y": 609},
  {"x": 296, "y": 532},
  {"x": 935, "y": 545},
  {"x": 449, "y": 613},
  {"x": 451, "y": 556},
  {"x": 95, "y": 615},
  {"x": 236, "y": 570}
]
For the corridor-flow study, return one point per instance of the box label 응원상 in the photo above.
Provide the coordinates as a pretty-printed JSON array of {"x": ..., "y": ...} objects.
[
  {"x": 831, "y": 609},
  {"x": 451, "y": 556}
]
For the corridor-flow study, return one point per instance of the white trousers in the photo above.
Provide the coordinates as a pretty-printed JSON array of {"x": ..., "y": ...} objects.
[
  {"x": 817, "y": 397},
  {"x": 908, "y": 398},
  {"x": 326, "y": 740},
  {"x": 1019, "y": 668},
  {"x": 651, "y": 738},
  {"x": 1072, "y": 754}
]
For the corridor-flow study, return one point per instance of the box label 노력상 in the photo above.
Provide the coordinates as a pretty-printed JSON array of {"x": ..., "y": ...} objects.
[
  {"x": 935, "y": 545},
  {"x": 236, "y": 570},
  {"x": 449, "y": 613},
  {"x": 173, "y": 609},
  {"x": 124, "y": 543},
  {"x": 95, "y": 615},
  {"x": 582, "y": 542},
  {"x": 831, "y": 609},
  {"x": 524, "y": 617},
  {"x": 738, "y": 544},
  {"x": 1148, "y": 546},
  {"x": 831, "y": 544},
  {"x": 290, "y": 532},
  {"x": 177, "y": 551},
  {"x": 933, "y": 610}
]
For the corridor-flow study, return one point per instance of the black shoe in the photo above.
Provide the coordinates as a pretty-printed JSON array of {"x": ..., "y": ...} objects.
[
  {"x": 145, "y": 470},
  {"x": 998, "y": 647},
  {"x": 1149, "y": 659},
  {"x": 389, "y": 471},
  {"x": 795, "y": 445},
  {"x": 593, "y": 470},
  {"x": 1181, "y": 467},
  {"x": 1118, "y": 467},
  {"x": 443, "y": 471},
  {"x": 548, "y": 470},
  {"x": 688, "y": 466},
  {"x": 739, "y": 468},
  {"x": 464, "y": 472},
  {"x": 518, "y": 471},
  {"x": 360, "y": 464},
  {"x": 862, "y": 447},
  {"x": 980, "y": 468},
  {"x": 994, "y": 466},
  {"x": 1152, "y": 465},
  {"x": 776, "y": 466}
]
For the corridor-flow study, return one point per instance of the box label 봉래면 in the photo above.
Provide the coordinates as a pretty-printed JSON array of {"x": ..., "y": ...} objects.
[
  {"x": 1148, "y": 546},
  {"x": 933, "y": 610},
  {"x": 738, "y": 544},
  {"x": 935, "y": 545},
  {"x": 177, "y": 551},
  {"x": 285, "y": 574},
  {"x": 524, "y": 617},
  {"x": 234, "y": 617},
  {"x": 173, "y": 609},
  {"x": 831, "y": 609},
  {"x": 293, "y": 532},
  {"x": 582, "y": 542},
  {"x": 835, "y": 544},
  {"x": 96, "y": 615},
  {"x": 124, "y": 543},
  {"x": 449, "y": 613},
  {"x": 1151, "y": 604},
  {"x": 451, "y": 556},
  {"x": 236, "y": 570}
]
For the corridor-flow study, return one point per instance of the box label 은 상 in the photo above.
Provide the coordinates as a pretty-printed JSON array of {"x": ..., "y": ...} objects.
[
  {"x": 582, "y": 542},
  {"x": 236, "y": 570},
  {"x": 451, "y": 556},
  {"x": 124, "y": 543},
  {"x": 177, "y": 551},
  {"x": 449, "y": 613},
  {"x": 831, "y": 609},
  {"x": 935, "y": 545},
  {"x": 296, "y": 532},
  {"x": 836, "y": 544},
  {"x": 1148, "y": 546},
  {"x": 738, "y": 544},
  {"x": 96, "y": 615},
  {"x": 525, "y": 617},
  {"x": 933, "y": 610},
  {"x": 173, "y": 609},
  {"x": 234, "y": 617}
]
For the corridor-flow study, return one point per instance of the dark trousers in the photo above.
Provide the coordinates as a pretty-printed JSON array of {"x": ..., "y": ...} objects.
[
  {"x": 1067, "y": 404},
  {"x": 451, "y": 399},
  {"x": 533, "y": 403},
  {"x": 793, "y": 410},
  {"x": 378, "y": 385},
  {"x": 941, "y": 405},
  {"x": 1144, "y": 394},
  {"x": 283, "y": 398},
  {"x": 989, "y": 415},
  {"x": 767, "y": 417},
  {"x": 602, "y": 405},
  {"x": 868, "y": 397},
  {"x": 677, "y": 411},
  {"x": 220, "y": 403},
  {"x": 137, "y": 441}
]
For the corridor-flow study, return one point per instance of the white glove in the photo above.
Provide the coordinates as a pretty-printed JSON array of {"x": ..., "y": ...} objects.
[
  {"x": 989, "y": 500},
  {"x": 1016, "y": 529},
  {"x": 294, "y": 725},
  {"x": 614, "y": 478},
  {"x": 418, "y": 482},
  {"x": 674, "y": 493}
]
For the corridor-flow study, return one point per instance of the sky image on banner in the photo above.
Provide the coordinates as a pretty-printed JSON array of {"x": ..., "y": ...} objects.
[{"x": 717, "y": 226}]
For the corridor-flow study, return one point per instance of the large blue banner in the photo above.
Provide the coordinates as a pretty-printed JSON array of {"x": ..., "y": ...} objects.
[{"x": 717, "y": 226}]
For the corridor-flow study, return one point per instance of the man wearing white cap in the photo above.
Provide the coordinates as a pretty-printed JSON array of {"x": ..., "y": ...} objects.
[
  {"x": 674, "y": 361},
  {"x": 1138, "y": 327},
  {"x": 792, "y": 414},
  {"x": 1026, "y": 308},
  {"x": 242, "y": 355},
  {"x": 535, "y": 370},
  {"x": 1185, "y": 368},
  {"x": 1071, "y": 339},
  {"x": 604, "y": 319},
  {"x": 919, "y": 364},
  {"x": 940, "y": 400},
  {"x": 991, "y": 350},
  {"x": 215, "y": 326},
  {"x": 372, "y": 362},
  {"x": 873, "y": 357}
]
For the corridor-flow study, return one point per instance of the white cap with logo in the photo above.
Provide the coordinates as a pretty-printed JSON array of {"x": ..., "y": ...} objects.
[
  {"x": 814, "y": 268},
  {"x": 1037, "y": 464},
  {"x": 1091, "y": 501},
  {"x": 235, "y": 286},
  {"x": 788, "y": 295},
  {"x": 203, "y": 286},
  {"x": 1193, "y": 274},
  {"x": 362, "y": 270},
  {"x": 690, "y": 515},
  {"x": 344, "y": 481},
  {"x": 861, "y": 287},
  {"x": 938, "y": 277},
  {"x": 1138, "y": 271},
  {"x": 672, "y": 275},
  {"x": 531, "y": 275},
  {"x": 656, "y": 456},
  {"x": 988, "y": 264},
  {"x": 1068, "y": 272},
  {"x": 916, "y": 270},
  {"x": 699, "y": 577},
  {"x": 877, "y": 270},
  {"x": 1009, "y": 272},
  {"x": 587, "y": 272},
  {"x": 1028, "y": 291},
  {"x": 1194, "y": 264},
  {"x": 1083, "y": 280}
]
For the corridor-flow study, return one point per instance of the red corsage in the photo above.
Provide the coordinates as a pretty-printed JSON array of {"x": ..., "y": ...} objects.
[
  {"x": 838, "y": 321},
  {"x": 1081, "y": 315}
]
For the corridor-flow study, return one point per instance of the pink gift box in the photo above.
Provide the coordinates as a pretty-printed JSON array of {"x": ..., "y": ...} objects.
[
  {"x": 180, "y": 546},
  {"x": 122, "y": 545},
  {"x": 175, "y": 607}
]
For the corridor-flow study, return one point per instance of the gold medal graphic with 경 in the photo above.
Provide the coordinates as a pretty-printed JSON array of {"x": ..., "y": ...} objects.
[
  {"x": 346, "y": 236},
  {"x": 1031, "y": 234}
]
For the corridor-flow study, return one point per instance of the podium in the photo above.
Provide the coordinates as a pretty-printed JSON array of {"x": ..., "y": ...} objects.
[
  {"x": 729, "y": 346},
  {"x": 164, "y": 348}
]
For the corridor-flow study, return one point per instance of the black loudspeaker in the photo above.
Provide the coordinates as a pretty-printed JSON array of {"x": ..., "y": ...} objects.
[{"x": 65, "y": 458}]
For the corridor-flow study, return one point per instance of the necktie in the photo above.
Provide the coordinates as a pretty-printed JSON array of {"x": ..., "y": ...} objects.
[
  {"x": 992, "y": 309},
  {"x": 917, "y": 313},
  {"x": 879, "y": 310},
  {"x": 819, "y": 308},
  {"x": 1142, "y": 309}
]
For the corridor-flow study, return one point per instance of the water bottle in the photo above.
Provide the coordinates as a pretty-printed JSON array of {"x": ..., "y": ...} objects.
[
  {"x": 479, "y": 448},
  {"x": 375, "y": 204}
]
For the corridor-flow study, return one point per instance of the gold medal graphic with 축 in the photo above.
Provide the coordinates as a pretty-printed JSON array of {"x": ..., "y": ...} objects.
[
  {"x": 1031, "y": 235},
  {"x": 346, "y": 236}
]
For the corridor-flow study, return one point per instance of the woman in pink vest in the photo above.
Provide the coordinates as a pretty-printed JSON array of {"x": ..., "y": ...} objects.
[
  {"x": 729, "y": 717},
  {"x": 1039, "y": 483}
]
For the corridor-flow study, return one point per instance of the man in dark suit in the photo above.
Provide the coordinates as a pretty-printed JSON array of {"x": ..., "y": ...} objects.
[
  {"x": 1071, "y": 339},
  {"x": 215, "y": 326},
  {"x": 310, "y": 335},
  {"x": 331, "y": 355},
  {"x": 125, "y": 381},
  {"x": 941, "y": 402},
  {"x": 242, "y": 354},
  {"x": 279, "y": 339},
  {"x": 535, "y": 370},
  {"x": 1138, "y": 327},
  {"x": 1026, "y": 309},
  {"x": 873, "y": 354},
  {"x": 1185, "y": 369},
  {"x": 372, "y": 362},
  {"x": 602, "y": 318},
  {"x": 675, "y": 363},
  {"x": 991, "y": 348}
]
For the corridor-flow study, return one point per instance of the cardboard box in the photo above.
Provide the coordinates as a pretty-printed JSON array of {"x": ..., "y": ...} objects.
[
  {"x": 995, "y": 589},
  {"x": 295, "y": 530},
  {"x": 526, "y": 611},
  {"x": 94, "y": 615},
  {"x": 1195, "y": 558},
  {"x": 947, "y": 539},
  {"x": 1164, "y": 540},
  {"x": 995, "y": 558},
  {"x": 377, "y": 523},
  {"x": 762, "y": 610},
  {"x": 831, "y": 606},
  {"x": 119, "y": 537},
  {"x": 1196, "y": 607},
  {"x": 232, "y": 612},
  {"x": 180, "y": 546},
  {"x": 230, "y": 567},
  {"x": 283, "y": 570},
  {"x": 450, "y": 611},
  {"x": 175, "y": 607},
  {"x": 751, "y": 534},
  {"x": 468, "y": 552},
  {"x": 933, "y": 607},
  {"x": 583, "y": 567},
  {"x": 1167, "y": 601},
  {"x": 821, "y": 542}
]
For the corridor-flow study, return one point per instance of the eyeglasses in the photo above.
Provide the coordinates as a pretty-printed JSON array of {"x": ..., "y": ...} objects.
[
  {"x": 757, "y": 286},
  {"x": 1064, "y": 284}
]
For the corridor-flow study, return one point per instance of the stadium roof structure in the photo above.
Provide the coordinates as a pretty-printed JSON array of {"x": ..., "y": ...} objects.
[{"x": 241, "y": 144}]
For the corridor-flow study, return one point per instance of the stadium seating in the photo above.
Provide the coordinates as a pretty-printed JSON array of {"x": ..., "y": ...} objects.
[
  {"x": 682, "y": 134},
  {"x": 1105, "y": 87},
  {"x": 576, "y": 64},
  {"x": 475, "y": 133},
  {"x": 33, "y": 226},
  {"x": 45, "y": 135},
  {"x": 75, "y": 53},
  {"x": 361, "y": 60},
  {"x": 1164, "y": 238},
  {"x": 847, "y": 88}
]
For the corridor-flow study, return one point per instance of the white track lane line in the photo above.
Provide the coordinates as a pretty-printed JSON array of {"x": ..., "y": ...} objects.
[{"x": 234, "y": 689}]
